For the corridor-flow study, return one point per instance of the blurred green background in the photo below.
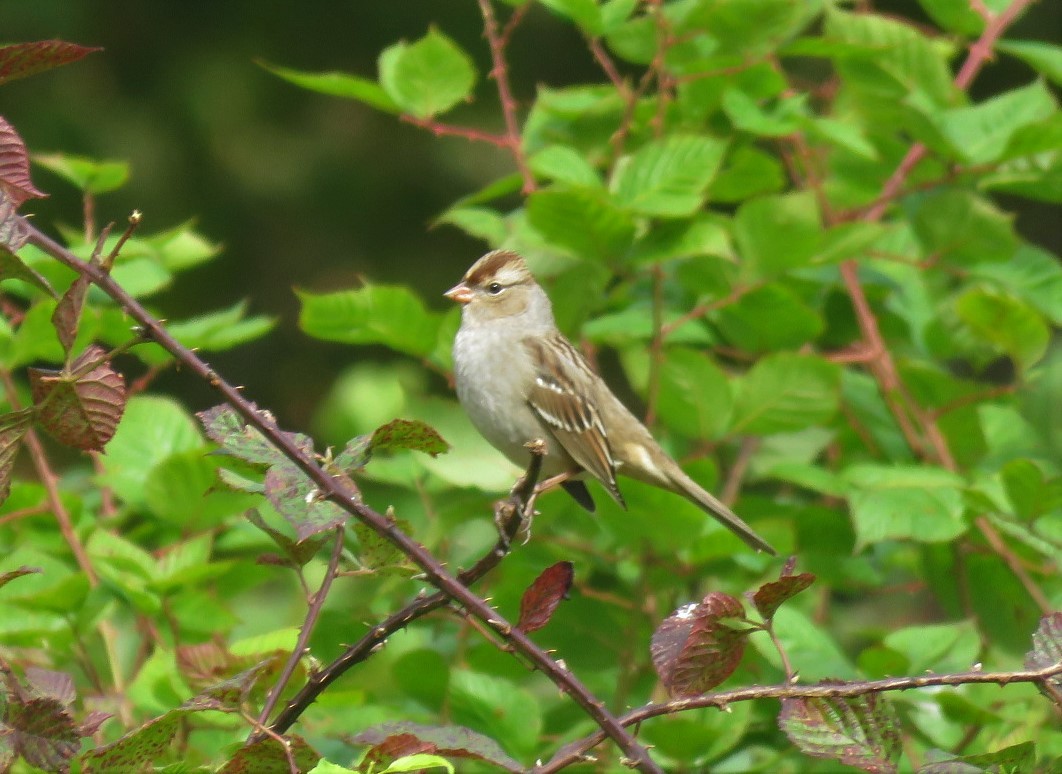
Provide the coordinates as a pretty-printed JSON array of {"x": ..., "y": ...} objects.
[{"x": 301, "y": 189}]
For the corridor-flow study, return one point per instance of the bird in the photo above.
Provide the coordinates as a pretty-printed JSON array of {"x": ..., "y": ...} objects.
[{"x": 520, "y": 379}]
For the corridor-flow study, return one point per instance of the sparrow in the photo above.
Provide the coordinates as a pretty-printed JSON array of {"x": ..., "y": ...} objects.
[{"x": 520, "y": 380}]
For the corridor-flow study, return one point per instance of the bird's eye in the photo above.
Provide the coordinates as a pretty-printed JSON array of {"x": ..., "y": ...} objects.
[{"x": 494, "y": 288}]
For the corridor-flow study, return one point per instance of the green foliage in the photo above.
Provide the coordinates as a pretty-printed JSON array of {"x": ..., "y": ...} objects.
[{"x": 849, "y": 337}]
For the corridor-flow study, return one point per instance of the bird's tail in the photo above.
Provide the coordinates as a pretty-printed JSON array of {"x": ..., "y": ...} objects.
[{"x": 692, "y": 491}]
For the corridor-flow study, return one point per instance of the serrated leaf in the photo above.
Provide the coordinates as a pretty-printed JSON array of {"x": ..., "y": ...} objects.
[
  {"x": 408, "y": 434},
  {"x": 67, "y": 314},
  {"x": 270, "y": 755},
  {"x": 563, "y": 164},
  {"x": 694, "y": 396},
  {"x": 50, "y": 684},
  {"x": 221, "y": 330},
  {"x": 963, "y": 228},
  {"x": 89, "y": 175},
  {"x": 861, "y": 731},
  {"x": 668, "y": 177},
  {"x": 80, "y": 409},
  {"x": 44, "y": 732},
  {"x": 480, "y": 222},
  {"x": 427, "y": 77},
  {"x": 1010, "y": 760},
  {"x": 299, "y": 500},
  {"x": 771, "y": 595},
  {"x": 585, "y": 13},
  {"x": 921, "y": 503},
  {"x": 1047, "y": 649},
  {"x": 790, "y": 324},
  {"x": 13, "y": 427},
  {"x": 375, "y": 314},
  {"x": 697, "y": 647},
  {"x": 542, "y": 597},
  {"x": 19, "y": 60},
  {"x": 15, "y": 183},
  {"x": 583, "y": 220},
  {"x": 448, "y": 741},
  {"x": 777, "y": 233},
  {"x": 981, "y": 133},
  {"x": 337, "y": 84},
  {"x": 229, "y": 430},
  {"x": 786, "y": 392}
]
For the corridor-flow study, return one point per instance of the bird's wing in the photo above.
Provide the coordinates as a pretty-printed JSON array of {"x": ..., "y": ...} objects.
[{"x": 560, "y": 398}]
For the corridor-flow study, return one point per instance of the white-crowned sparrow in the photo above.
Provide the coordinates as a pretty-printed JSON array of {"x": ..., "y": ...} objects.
[{"x": 520, "y": 380}]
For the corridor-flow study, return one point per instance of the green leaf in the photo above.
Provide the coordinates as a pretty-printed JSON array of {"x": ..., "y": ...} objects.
[
  {"x": 1013, "y": 760},
  {"x": 496, "y": 707},
  {"x": 418, "y": 762},
  {"x": 480, "y": 222},
  {"x": 897, "y": 58},
  {"x": 427, "y": 77},
  {"x": 963, "y": 228},
  {"x": 953, "y": 647},
  {"x": 1009, "y": 324},
  {"x": 1042, "y": 56},
  {"x": 981, "y": 133},
  {"x": 703, "y": 235},
  {"x": 151, "y": 429},
  {"x": 584, "y": 13},
  {"x": 375, "y": 314},
  {"x": 954, "y": 17},
  {"x": 769, "y": 318},
  {"x": 694, "y": 397},
  {"x": 667, "y": 177},
  {"x": 746, "y": 115},
  {"x": 777, "y": 233},
  {"x": 1033, "y": 275},
  {"x": 338, "y": 84},
  {"x": 89, "y": 175},
  {"x": 582, "y": 220},
  {"x": 562, "y": 164},
  {"x": 843, "y": 134},
  {"x": 903, "y": 502},
  {"x": 181, "y": 248},
  {"x": 786, "y": 392},
  {"x": 221, "y": 330},
  {"x": 747, "y": 172}
]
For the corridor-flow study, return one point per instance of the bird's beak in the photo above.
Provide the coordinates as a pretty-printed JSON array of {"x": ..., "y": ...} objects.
[{"x": 459, "y": 293}]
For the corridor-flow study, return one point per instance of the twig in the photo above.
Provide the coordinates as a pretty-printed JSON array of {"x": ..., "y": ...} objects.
[
  {"x": 573, "y": 753},
  {"x": 734, "y": 479},
  {"x": 509, "y": 515},
  {"x": 316, "y": 603},
  {"x": 448, "y": 130},
  {"x": 500, "y": 73}
]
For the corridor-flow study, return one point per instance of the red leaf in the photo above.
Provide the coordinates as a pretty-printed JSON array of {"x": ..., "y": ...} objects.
[
  {"x": 79, "y": 409},
  {"x": 447, "y": 741},
  {"x": 7, "y": 577},
  {"x": 67, "y": 312},
  {"x": 21, "y": 59},
  {"x": 13, "y": 427},
  {"x": 859, "y": 731},
  {"x": 542, "y": 597},
  {"x": 697, "y": 647},
  {"x": 15, "y": 180},
  {"x": 770, "y": 596},
  {"x": 43, "y": 732}
]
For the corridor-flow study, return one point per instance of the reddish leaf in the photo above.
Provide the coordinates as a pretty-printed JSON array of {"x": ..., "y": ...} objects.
[
  {"x": 80, "y": 409},
  {"x": 13, "y": 427},
  {"x": 1047, "y": 649},
  {"x": 859, "y": 731},
  {"x": 698, "y": 646},
  {"x": 15, "y": 181},
  {"x": 91, "y": 723},
  {"x": 447, "y": 741},
  {"x": 295, "y": 554},
  {"x": 409, "y": 434},
  {"x": 299, "y": 501},
  {"x": 47, "y": 684},
  {"x": 393, "y": 747},
  {"x": 770, "y": 596},
  {"x": 21, "y": 59},
  {"x": 67, "y": 314},
  {"x": 7, "y": 577},
  {"x": 232, "y": 433},
  {"x": 269, "y": 755},
  {"x": 542, "y": 597},
  {"x": 44, "y": 732}
]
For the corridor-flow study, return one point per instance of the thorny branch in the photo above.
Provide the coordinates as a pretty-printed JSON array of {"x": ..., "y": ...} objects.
[{"x": 575, "y": 752}]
